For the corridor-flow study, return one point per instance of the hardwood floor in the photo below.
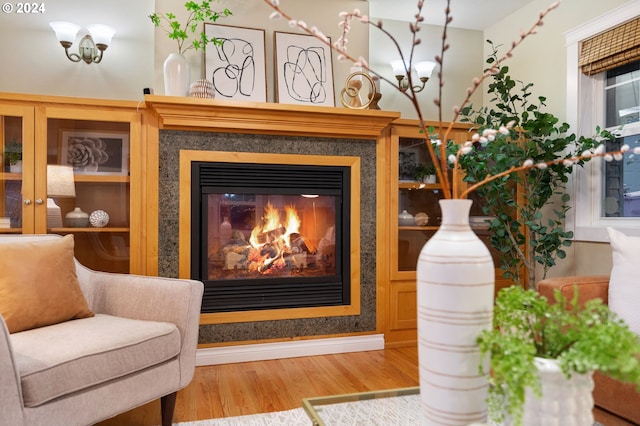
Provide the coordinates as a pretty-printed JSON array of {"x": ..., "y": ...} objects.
[
  {"x": 264, "y": 386},
  {"x": 276, "y": 385}
]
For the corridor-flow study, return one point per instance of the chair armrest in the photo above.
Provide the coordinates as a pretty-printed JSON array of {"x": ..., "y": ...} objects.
[
  {"x": 10, "y": 389},
  {"x": 176, "y": 301},
  {"x": 589, "y": 287}
]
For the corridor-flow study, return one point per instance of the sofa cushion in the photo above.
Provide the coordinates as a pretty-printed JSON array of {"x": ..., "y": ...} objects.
[
  {"x": 71, "y": 356},
  {"x": 624, "y": 285},
  {"x": 38, "y": 284}
]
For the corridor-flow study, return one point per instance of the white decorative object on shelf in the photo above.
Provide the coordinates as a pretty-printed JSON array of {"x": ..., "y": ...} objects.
[
  {"x": 202, "y": 89},
  {"x": 406, "y": 219},
  {"x": 422, "y": 219},
  {"x": 177, "y": 75},
  {"x": 99, "y": 219},
  {"x": 77, "y": 218}
]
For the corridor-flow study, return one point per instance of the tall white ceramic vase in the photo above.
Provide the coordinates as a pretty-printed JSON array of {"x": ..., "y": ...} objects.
[
  {"x": 177, "y": 75},
  {"x": 564, "y": 401},
  {"x": 455, "y": 284}
]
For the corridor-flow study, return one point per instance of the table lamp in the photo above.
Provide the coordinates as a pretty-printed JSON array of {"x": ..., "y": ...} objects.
[{"x": 60, "y": 184}]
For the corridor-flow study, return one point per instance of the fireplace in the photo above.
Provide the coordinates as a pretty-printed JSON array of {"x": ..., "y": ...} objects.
[{"x": 270, "y": 236}]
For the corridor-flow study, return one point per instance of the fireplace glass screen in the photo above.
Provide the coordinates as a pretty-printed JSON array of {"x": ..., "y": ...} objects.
[
  {"x": 255, "y": 235},
  {"x": 268, "y": 236}
]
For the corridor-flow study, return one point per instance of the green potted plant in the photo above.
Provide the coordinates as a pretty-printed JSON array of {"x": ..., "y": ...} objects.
[
  {"x": 188, "y": 34},
  {"x": 528, "y": 330},
  {"x": 425, "y": 173},
  {"x": 520, "y": 233},
  {"x": 13, "y": 155}
]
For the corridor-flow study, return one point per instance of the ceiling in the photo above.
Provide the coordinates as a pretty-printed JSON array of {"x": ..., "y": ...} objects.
[{"x": 468, "y": 14}]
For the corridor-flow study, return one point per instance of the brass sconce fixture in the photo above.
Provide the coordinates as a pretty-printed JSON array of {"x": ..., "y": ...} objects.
[
  {"x": 92, "y": 45},
  {"x": 423, "y": 70}
]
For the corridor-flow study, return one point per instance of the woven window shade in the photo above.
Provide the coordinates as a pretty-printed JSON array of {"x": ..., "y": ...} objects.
[{"x": 611, "y": 49}]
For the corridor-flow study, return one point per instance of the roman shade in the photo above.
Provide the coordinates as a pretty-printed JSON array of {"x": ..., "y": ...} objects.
[{"x": 611, "y": 49}]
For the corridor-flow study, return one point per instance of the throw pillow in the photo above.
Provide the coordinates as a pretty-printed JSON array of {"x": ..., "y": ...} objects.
[
  {"x": 39, "y": 285},
  {"x": 624, "y": 284}
]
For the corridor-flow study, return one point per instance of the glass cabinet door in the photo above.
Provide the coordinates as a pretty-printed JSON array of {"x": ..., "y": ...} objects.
[
  {"x": 16, "y": 185},
  {"x": 418, "y": 195},
  {"x": 87, "y": 189}
]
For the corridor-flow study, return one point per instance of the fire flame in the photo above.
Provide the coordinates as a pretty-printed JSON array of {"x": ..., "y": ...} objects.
[{"x": 271, "y": 240}]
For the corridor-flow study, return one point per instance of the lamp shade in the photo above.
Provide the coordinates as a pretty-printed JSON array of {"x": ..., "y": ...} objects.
[
  {"x": 60, "y": 181},
  {"x": 65, "y": 31},
  {"x": 399, "y": 67},
  {"x": 101, "y": 34},
  {"x": 425, "y": 68}
]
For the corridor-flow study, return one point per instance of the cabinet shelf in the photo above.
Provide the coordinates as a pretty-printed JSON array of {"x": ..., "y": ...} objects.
[
  {"x": 418, "y": 228},
  {"x": 11, "y": 176},
  {"x": 101, "y": 178},
  {"x": 85, "y": 230},
  {"x": 418, "y": 185}
]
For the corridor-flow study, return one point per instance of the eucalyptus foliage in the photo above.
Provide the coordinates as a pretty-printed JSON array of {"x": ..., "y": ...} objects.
[
  {"x": 198, "y": 14},
  {"x": 520, "y": 232},
  {"x": 582, "y": 339}
]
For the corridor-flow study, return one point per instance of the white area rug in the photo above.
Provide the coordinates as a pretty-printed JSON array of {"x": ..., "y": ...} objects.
[
  {"x": 296, "y": 417},
  {"x": 401, "y": 411}
]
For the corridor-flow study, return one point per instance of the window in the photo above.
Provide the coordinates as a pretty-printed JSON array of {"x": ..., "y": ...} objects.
[
  {"x": 621, "y": 186},
  {"x": 606, "y": 99}
]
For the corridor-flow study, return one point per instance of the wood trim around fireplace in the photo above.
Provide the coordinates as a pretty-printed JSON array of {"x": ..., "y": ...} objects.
[{"x": 189, "y": 156}]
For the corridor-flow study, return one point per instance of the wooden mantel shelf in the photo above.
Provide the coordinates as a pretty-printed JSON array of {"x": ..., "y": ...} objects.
[{"x": 232, "y": 116}]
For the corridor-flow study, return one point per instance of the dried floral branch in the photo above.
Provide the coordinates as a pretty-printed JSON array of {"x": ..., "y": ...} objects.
[{"x": 449, "y": 189}]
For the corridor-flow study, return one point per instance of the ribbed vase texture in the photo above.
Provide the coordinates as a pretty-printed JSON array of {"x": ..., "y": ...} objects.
[
  {"x": 564, "y": 401},
  {"x": 455, "y": 284},
  {"x": 177, "y": 75}
]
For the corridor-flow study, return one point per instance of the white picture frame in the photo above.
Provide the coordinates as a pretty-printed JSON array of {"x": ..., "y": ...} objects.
[
  {"x": 304, "y": 70},
  {"x": 237, "y": 66},
  {"x": 95, "y": 152}
]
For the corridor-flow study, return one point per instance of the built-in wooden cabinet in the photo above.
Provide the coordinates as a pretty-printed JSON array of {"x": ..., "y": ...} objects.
[
  {"x": 412, "y": 217},
  {"x": 126, "y": 185},
  {"x": 94, "y": 141}
]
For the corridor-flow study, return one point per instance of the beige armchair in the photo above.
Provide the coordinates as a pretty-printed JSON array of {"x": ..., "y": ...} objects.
[{"x": 139, "y": 346}]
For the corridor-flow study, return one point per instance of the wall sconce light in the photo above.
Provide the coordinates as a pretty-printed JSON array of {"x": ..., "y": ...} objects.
[
  {"x": 423, "y": 69},
  {"x": 91, "y": 46}
]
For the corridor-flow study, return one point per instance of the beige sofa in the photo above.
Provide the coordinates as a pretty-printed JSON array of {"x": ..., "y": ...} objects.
[
  {"x": 139, "y": 346},
  {"x": 621, "y": 399}
]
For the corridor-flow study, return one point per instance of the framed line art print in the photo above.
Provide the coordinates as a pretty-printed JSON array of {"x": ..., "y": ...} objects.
[
  {"x": 95, "y": 153},
  {"x": 304, "y": 70},
  {"x": 237, "y": 67}
]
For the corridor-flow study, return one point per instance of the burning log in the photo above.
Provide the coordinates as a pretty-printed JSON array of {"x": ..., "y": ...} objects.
[
  {"x": 298, "y": 242},
  {"x": 269, "y": 236}
]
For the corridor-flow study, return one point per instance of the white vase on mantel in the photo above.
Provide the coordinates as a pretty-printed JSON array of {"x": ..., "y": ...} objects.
[
  {"x": 177, "y": 75},
  {"x": 564, "y": 401},
  {"x": 455, "y": 286}
]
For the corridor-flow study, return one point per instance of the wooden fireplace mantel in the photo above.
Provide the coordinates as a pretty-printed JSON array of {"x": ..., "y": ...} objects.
[{"x": 267, "y": 118}]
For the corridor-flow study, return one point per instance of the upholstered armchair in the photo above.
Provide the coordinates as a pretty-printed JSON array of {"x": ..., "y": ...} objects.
[
  {"x": 619, "y": 398},
  {"x": 135, "y": 343}
]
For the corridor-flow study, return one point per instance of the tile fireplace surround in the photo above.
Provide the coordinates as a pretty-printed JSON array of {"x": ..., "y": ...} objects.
[{"x": 178, "y": 133}]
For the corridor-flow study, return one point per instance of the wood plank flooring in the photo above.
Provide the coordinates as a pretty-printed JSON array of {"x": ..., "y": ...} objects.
[{"x": 264, "y": 386}]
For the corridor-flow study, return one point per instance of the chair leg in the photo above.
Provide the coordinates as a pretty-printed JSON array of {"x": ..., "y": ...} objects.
[{"x": 167, "y": 405}]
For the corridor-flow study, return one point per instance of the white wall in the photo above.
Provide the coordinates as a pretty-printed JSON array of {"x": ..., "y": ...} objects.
[
  {"x": 255, "y": 14},
  {"x": 34, "y": 62},
  {"x": 134, "y": 60},
  {"x": 462, "y": 62},
  {"x": 541, "y": 60}
]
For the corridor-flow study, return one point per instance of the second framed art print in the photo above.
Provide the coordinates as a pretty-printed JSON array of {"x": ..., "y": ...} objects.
[
  {"x": 304, "y": 70},
  {"x": 236, "y": 65}
]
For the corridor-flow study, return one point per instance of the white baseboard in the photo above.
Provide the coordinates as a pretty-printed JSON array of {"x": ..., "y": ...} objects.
[{"x": 292, "y": 349}]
